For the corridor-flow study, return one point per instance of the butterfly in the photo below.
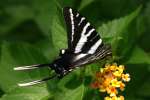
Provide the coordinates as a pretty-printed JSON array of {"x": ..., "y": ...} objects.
[{"x": 84, "y": 46}]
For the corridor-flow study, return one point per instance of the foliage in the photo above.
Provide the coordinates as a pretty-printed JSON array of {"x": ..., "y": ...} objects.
[{"x": 33, "y": 31}]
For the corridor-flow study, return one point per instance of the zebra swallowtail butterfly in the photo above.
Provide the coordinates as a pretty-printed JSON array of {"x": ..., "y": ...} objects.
[{"x": 84, "y": 46}]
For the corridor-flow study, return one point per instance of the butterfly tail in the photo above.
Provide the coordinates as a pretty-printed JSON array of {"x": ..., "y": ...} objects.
[
  {"x": 22, "y": 68},
  {"x": 31, "y": 67},
  {"x": 36, "y": 81}
]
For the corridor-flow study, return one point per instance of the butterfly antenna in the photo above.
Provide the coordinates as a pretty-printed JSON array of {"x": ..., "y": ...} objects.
[
  {"x": 31, "y": 67},
  {"x": 36, "y": 81}
]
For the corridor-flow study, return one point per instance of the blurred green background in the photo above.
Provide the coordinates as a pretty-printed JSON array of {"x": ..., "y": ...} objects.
[{"x": 33, "y": 31}]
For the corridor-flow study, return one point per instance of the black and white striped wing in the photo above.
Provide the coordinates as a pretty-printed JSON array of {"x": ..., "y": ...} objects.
[{"x": 82, "y": 37}]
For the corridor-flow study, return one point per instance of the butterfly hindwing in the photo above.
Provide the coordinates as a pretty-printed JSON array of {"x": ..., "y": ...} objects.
[{"x": 82, "y": 37}]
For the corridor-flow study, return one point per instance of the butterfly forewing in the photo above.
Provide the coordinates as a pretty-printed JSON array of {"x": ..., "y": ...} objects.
[{"x": 82, "y": 37}]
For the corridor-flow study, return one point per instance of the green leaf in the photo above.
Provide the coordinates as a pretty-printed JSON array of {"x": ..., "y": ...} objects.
[
  {"x": 73, "y": 94},
  {"x": 117, "y": 26},
  {"x": 139, "y": 76},
  {"x": 117, "y": 34},
  {"x": 139, "y": 56},
  {"x": 13, "y": 55},
  {"x": 59, "y": 35},
  {"x": 13, "y": 16},
  {"x": 144, "y": 90},
  {"x": 145, "y": 20},
  {"x": 85, "y": 3},
  {"x": 46, "y": 13},
  {"x": 27, "y": 93}
]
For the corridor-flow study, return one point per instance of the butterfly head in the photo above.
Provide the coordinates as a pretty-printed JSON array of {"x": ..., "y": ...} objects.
[
  {"x": 60, "y": 66},
  {"x": 58, "y": 69}
]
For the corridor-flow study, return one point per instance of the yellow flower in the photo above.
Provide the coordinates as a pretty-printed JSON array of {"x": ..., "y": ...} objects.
[
  {"x": 121, "y": 68},
  {"x": 126, "y": 77},
  {"x": 115, "y": 83},
  {"x": 119, "y": 71},
  {"x": 114, "y": 98},
  {"x": 107, "y": 98},
  {"x": 102, "y": 89},
  {"x": 111, "y": 67},
  {"x": 117, "y": 98},
  {"x": 110, "y": 79},
  {"x": 121, "y": 98}
]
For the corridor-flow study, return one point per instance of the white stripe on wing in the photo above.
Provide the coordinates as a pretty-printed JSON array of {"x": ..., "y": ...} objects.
[
  {"x": 83, "y": 38},
  {"x": 80, "y": 56},
  {"x": 95, "y": 46},
  {"x": 82, "y": 19},
  {"x": 72, "y": 23},
  {"x": 77, "y": 15}
]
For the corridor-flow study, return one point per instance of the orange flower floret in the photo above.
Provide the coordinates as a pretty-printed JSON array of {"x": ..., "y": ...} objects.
[
  {"x": 112, "y": 91},
  {"x": 110, "y": 79},
  {"x": 122, "y": 86}
]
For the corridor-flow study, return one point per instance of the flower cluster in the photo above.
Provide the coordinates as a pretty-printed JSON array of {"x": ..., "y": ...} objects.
[{"x": 111, "y": 79}]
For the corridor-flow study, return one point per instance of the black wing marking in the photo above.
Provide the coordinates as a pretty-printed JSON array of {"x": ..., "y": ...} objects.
[
  {"x": 82, "y": 37},
  {"x": 71, "y": 24}
]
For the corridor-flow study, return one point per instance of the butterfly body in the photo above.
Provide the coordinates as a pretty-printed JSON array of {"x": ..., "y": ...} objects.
[
  {"x": 68, "y": 61},
  {"x": 84, "y": 46}
]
